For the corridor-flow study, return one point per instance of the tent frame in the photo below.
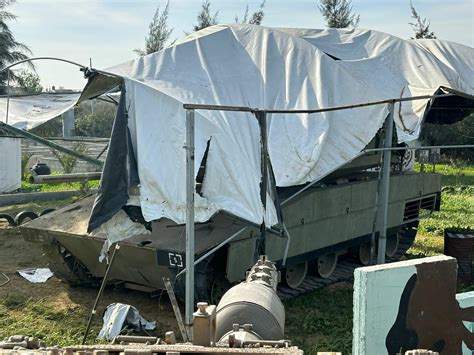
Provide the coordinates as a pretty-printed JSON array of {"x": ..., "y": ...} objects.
[{"x": 261, "y": 116}]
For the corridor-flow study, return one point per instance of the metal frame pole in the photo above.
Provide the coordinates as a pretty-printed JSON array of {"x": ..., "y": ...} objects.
[
  {"x": 189, "y": 292},
  {"x": 8, "y": 96},
  {"x": 47, "y": 143},
  {"x": 261, "y": 117},
  {"x": 385, "y": 186},
  {"x": 99, "y": 295}
]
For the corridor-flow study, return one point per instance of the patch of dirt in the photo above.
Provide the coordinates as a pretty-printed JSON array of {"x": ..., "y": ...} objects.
[{"x": 15, "y": 254}]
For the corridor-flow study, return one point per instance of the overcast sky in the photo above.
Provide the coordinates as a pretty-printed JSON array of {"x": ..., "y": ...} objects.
[{"x": 108, "y": 30}]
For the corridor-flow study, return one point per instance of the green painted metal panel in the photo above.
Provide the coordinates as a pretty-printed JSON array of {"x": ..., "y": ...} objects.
[
  {"x": 332, "y": 201},
  {"x": 240, "y": 258},
  {"x": 299, "y": 211}
]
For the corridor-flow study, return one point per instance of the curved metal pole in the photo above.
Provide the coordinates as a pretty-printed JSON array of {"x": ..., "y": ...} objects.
[{"x": 42, "y": 58}]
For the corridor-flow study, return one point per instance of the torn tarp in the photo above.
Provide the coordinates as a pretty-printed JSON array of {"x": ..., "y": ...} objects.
[
  {"x": 281, "y": 69},
  {"x": 119, "y": 174},
  {"x": 27, "y": 112},
  {"x": 117, "y": 316},
  {"x": 36, "y": 275}
]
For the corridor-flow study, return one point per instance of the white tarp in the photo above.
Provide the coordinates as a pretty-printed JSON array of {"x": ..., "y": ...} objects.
[
  {"x": 117, "y": 316},
  {"x": 27, "y": 112},
  {"x": 36, "y": 275},
  {"x": 10, "y": 164},
  {"x": 398, "y": 68},
  {"x": 116, "y": 229},
  {"x": 245, "y": 65}
]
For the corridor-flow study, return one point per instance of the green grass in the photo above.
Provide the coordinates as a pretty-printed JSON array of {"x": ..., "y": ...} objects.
[
  {"x": 28, "y": 187},
  {"x": 457, "y": 210},
  {"x": 454, "y": 174},
  {"x": 321, "y": 321},
  {"x": 55, "y": 324}
]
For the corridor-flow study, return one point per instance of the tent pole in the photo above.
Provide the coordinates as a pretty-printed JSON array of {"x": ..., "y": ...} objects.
[
  {"x": 189, "y": 292},
  {"x": 261, "y": 117},
  {"x": 385, "y": 186},
  {"x": 8, "y": 95}
]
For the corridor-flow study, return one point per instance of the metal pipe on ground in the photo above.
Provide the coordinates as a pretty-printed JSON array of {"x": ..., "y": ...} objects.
[{"x": 59, "y": 179}]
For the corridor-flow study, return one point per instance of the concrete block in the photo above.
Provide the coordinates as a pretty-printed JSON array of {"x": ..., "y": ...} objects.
[
  {"x": 409, "y": 305},
  {"x": 466, "y": 300}
]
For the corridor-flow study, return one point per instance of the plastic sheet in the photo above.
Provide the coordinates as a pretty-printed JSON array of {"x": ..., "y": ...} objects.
[
  {"x": 255, "y": 66},
  {"x": 119, "y": 315}
]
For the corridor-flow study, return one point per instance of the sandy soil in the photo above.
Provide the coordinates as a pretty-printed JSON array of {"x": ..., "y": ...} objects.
[{"x": 17, "y": 254}]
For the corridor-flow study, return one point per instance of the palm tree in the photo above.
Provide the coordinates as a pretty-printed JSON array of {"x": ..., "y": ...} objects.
[{"x": 10, "y": 50}]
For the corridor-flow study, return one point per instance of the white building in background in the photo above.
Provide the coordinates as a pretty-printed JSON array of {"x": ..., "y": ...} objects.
[{"x": 10, "y": 164}]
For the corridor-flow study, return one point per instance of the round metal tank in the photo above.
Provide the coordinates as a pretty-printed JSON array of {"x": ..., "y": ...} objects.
[{"x": 251, "y": 303}]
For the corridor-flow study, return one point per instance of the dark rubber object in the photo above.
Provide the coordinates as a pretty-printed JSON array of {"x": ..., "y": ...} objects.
[
  {"x": 20, "y": 217},
  {"x": 460, "y": 245},
  {"x": 9, "y": 218},
  {"x": 41, "y": 169},
  {"x": 46, "y": 211}
]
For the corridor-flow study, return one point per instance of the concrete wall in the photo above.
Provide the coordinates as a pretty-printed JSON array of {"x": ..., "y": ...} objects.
[
  {"x": 410, "y": 305},
  {"x": 466, "y": 300},
  {"x": 10, "y": 164}
]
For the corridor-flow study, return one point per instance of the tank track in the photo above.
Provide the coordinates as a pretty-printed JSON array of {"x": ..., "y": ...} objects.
[
  {"x": 344, "y": 271},
  {"x": 67, "y": 268},
  {"x": 76, "y": 274}
]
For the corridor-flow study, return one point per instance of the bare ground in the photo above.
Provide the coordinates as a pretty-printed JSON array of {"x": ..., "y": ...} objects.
[{"x": 17, "y": 254}]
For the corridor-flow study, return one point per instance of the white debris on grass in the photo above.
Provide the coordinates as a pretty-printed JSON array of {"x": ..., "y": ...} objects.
[
  {"x": 36, "y": 275},
  {"x": 118, "y": 315}
]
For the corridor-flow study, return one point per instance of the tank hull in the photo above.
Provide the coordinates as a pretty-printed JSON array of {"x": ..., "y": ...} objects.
[{"x": 334, "y": 218}]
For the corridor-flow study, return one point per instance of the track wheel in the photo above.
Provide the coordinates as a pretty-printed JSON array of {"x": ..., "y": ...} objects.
[
  {"x": 364, "y": 253},
  {"x": 8, "y": 218},
  {"x": 392, "y": 244},
  {"x": 66, "y": 267},
  {"x": 295, "y": 274},
  {"x": 326, "y": 264},
  {"x": 25, "y": 216}
]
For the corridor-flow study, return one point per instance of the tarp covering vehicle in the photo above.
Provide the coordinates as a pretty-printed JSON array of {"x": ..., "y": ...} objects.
[{"x": 255, "y": 66}]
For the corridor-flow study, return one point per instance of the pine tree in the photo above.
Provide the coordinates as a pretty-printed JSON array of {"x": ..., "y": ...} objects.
[
  {"x": 422, "y": 26},
  {"x": 11, "y": 51},
  {"x": 338, "y": 13},
  {"x": 256, "y": 18},
  {"x": 159, "y": 33},
  {"x": 205, "y": 19}
]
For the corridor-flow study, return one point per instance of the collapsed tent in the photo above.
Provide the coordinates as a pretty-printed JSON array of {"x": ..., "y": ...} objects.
[
  {"x": 254, "y": 66},
  {"x": 29, "y": 111}
]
